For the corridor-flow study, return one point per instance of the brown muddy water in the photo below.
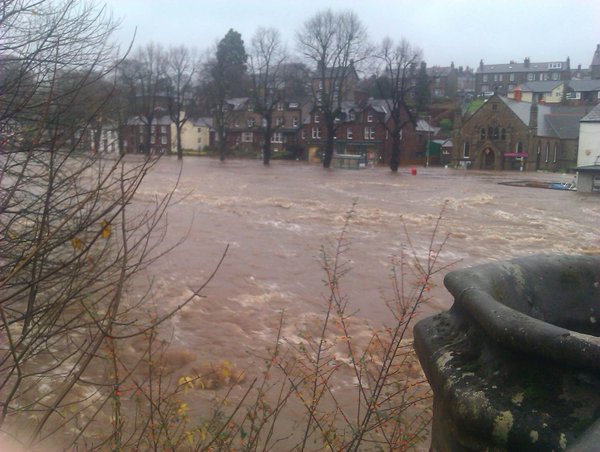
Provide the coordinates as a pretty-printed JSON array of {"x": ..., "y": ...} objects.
[{"x": 276, "y": 219}]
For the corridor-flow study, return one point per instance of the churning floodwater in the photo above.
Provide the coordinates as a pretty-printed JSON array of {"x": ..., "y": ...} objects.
[{"x": 276, "y": 219}]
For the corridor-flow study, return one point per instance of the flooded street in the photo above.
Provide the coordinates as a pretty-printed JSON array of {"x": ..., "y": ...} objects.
[{"x": 276, "y": 219}]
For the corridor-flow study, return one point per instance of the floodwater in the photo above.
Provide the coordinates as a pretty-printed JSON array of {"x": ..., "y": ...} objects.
[{"x": 276, "y": 219}]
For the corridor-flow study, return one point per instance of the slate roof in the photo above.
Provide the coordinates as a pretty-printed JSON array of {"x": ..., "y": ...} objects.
[
  {"x": 584, "y": 85},
  {"x": 157, "y": 121},
  {"x": 553, "y": 120},
  {"x": 520, "y": 67},
  {"x": 238, "y": 103},
  {"x": 202, "y": 122},
  {"x": 563, "y": 126},
  {"x": 592, "y": 116},
  {"x": 540, "y": 86}
]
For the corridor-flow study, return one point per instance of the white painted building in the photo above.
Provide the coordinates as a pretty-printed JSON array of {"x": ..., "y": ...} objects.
[{"x": 588, "y": 154}]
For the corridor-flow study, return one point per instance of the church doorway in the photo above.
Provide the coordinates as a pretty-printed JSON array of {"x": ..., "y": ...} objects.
[{"x": 487, "y": 159}]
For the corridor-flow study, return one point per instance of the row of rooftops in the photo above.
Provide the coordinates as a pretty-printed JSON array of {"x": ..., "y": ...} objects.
[{"x": 515, "y": 67}]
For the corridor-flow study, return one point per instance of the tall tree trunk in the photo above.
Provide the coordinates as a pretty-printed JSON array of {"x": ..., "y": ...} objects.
[
  {"x": 267, "y": 145},
  {"x": 395, "y": 157},
  {"x": 329, "y": 145},
  {"x": 222, "y": 146},
  {"x": 178, "y": 127}
]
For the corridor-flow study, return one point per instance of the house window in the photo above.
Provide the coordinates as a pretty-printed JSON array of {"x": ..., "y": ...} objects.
[
  {"x": 294, "y": 105},
  {"x": 485, "y": 78},
  {"x": 511, "y": 77},
  {"x": 482, "y": 133},
  {"x": 199, "y": 129},
  {"x": 295, "y": 121},
  {"x": 555, "y": 153},
  {"x": 490, "y": 132},
  {"x": 163, "y": 129},
  {"x": 349, "y": 133},
  {"x": 250, "y": 107},
  {"x": 316, "y": 118},
  {"x": 369, "y": 133},
  {"x": 351, "y": 116},
  {"x": 531, "y": 76},
  {"x": 303, "y": 134},
  {"x": 485, "y": 88},
  {"x": 320, "y": 84},
  {"x": 280, "y": 106},
  {"x": 247, "y": 137},
  {"x": 497, "y": 77},
  {"x": 544, "y": 76},
  {"x": 503, "y": 134},
  {"x": 316, "y": 133},
  {"x": 199, "y": 140},
  {"x": 466, "y": 149},
  {"x": 369, "y": 118},
  {"x": 277, "y": 137},
  {"x": 547, "y": 152},
  {"x": 236, "y": 123},
  {"x": 152, "y": 139},
  {"x": 251, "y": 122},
  {"x": 496, "y": 133},
  {"x": 554, "y": 65},
  {"x": 163, "y": 139},
  {"x": 279, "y": 121},
  {"x": 556, "y": 76}
]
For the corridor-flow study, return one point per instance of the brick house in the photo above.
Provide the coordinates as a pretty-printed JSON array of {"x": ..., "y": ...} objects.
[
  {"x": 134, "y": 135},
  {"x": 502, "y": 78},
  {"x": 245, "y": 128},
  {"x": 361, "y": 131},
  {"x": 505, "y": 134}
]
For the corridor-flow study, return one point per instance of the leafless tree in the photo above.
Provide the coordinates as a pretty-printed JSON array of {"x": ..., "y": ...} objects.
[
  {"x": 334, "y": 43},
  {"x": 397, "y": 63},
  {"x": 71, "y": 235},
  {"x": 181, "y": 70},
  {"x": 145, "y": 78},
  {"x": 266, "y": 63}
]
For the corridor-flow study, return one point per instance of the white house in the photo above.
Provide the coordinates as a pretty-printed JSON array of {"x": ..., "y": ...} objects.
[
  {"x": 588, "y": 154},
  {"x": 195, "y": 134}
]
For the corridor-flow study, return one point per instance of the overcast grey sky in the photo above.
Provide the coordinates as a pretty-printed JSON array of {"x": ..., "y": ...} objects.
[{"x": 459, "y": 31}]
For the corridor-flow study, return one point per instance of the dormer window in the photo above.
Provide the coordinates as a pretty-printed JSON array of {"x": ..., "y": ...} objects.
[
  {"x": 369, "y": 118},
  {"x": 316, "y": 117}
]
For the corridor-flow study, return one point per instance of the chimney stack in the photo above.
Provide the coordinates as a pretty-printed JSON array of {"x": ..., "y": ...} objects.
[{"x": 527, "y": 62}]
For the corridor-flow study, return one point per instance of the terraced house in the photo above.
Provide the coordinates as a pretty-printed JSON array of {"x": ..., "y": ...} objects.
[
  {"x": 361, "y": 131},
  {"x": 502, "y": 78}
]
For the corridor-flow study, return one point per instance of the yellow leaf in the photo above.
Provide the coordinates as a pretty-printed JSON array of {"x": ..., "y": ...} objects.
[
  {"x": 190, "y": 437},
  {"x": 76, "y": 243},
  {"x": 182, "y": 409},
  {"x": 106, "y": 229},
  {"x": 187, "y": 382}
]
